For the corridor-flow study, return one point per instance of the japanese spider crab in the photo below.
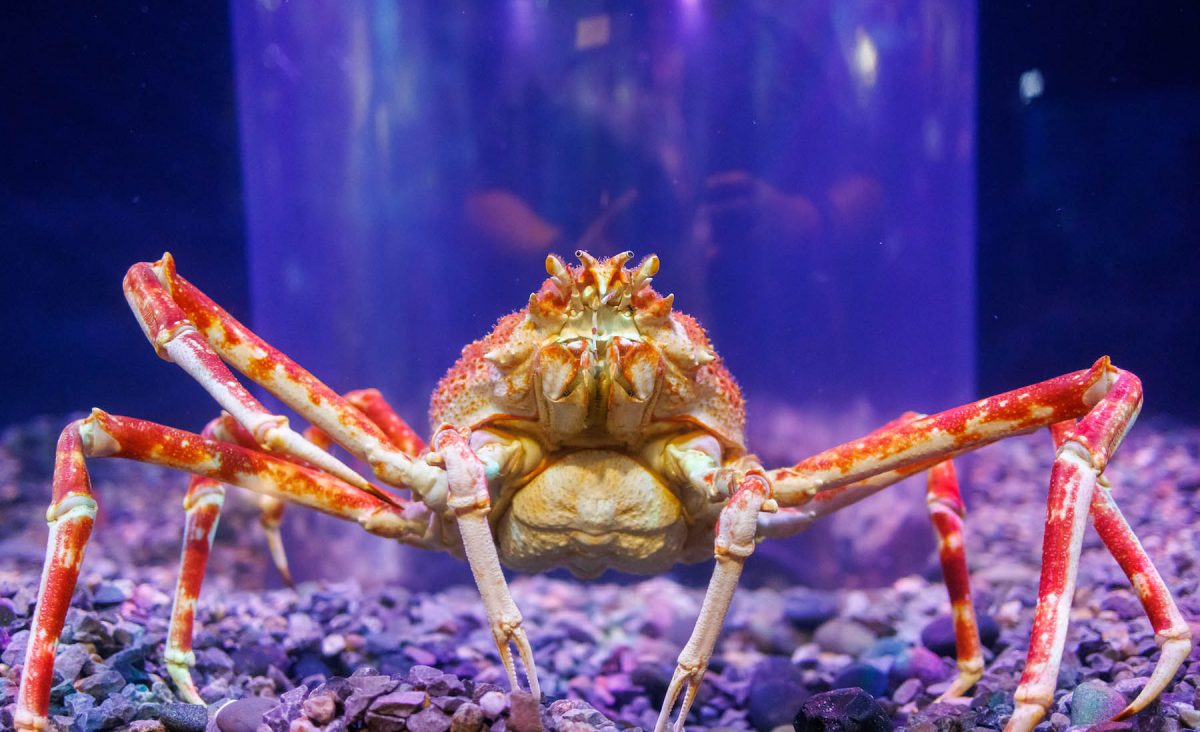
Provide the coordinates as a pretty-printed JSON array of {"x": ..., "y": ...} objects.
[{"x": 594, "y": 428}]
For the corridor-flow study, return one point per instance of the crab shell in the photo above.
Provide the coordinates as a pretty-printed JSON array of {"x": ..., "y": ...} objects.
[
  {"x": 596, "y": 378},
  {"x": 597, "y": 358}
]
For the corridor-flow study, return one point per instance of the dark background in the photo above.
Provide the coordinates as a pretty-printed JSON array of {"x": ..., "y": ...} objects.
[{"x": 120, "y": 141}]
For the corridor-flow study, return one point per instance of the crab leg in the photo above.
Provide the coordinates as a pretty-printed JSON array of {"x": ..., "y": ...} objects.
[
  {"x": 735, "y": 541},
  {"x": 1171, "y": 630},
  {"x": 467, "y": 481},
  {"x": 203, "y": 503},
  {"x": 175, "y": 339},
  {"x": 193, "y": 331},
  {"x": 73, "y": 509},
  {"x": 946, "y": 511},
  {"x": 919, "y": 444},
  {"x": 1082, "y": 456}
]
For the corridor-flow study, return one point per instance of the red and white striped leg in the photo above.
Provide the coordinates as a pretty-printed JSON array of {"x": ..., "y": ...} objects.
[
  {"x": 918, "y": 444},
  {"x": 203, "y": 503},
  {"x": 1084, "y": 452},
  {"x": 73, "y": 509},
  {"x": 946, "y": 511},
  {"x": 372, "y": 403},
  {"x": 736, "y": 530},
  {"x": 176, "y": 339},
  {"x": 1171, "y": 630},
  {"x": 193, "y": 331},
  {"x": 71, "y": 515}
]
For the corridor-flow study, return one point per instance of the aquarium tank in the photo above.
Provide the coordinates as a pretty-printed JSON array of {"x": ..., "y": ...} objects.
[{"x": 874, "y": 213}]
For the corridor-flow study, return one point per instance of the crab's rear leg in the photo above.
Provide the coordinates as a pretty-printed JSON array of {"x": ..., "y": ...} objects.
[
  {"x": 1171, "y": 630},
  {"x": 203, "y": 503},
  {"x": 946, "y": 512},
  {"x": 73, "y": 509},
  {"x": 1083, "y": 453},
  {"x": 736, "y": 530},
  {"x": 1106, "y": 398}
]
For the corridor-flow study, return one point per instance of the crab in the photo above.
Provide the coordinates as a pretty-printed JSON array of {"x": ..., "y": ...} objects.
[{"x": 595, "y": 428}]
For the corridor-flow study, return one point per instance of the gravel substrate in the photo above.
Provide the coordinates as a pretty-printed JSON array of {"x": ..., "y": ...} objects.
[{"x": 339, "y": 656}]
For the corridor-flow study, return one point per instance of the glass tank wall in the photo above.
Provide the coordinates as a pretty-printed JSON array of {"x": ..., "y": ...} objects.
[{"x": 804, "y": 170}]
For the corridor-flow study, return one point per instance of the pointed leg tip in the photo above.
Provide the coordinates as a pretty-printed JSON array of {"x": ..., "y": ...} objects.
[{"x": 1126, "y": 713}]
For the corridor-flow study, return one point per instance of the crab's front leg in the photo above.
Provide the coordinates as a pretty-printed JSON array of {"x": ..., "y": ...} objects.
[
  {"x": 468, "y": 499},
  {"x": 736, "y": 530}
]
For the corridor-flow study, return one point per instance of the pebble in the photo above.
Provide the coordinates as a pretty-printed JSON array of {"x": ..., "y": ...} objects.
[
  {"x": 524, "y": 713},
  {"x": 807, "y": 609},
  {"x": 428, "y": 720},
  {"x": 920, "y": 663},
  {"x": 320, "y": 707},
  {"x": 467, "y": 718},
  {"x": 840, "y": 635},
  {"x": 184, "y": 717},
  {"x": 938, "y": 634},
  {"x": 865, "y": 676},
  {"x": 400, "y": 703},
  {"x": 777, "y": 690},
  {"x": 907, "y": 691},
  {"x": 101, "y": 685},
  {"x": 844, "y": 710},
  {"x": 493, "y": 704},
  {"x": 244, "y": 715},
  {"x": 1094, "y": 702}
]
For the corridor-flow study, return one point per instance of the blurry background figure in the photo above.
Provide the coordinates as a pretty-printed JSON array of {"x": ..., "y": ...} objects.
[{"x": 804, "y": 171}]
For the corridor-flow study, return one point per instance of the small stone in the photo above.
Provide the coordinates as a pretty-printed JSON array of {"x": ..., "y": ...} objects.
[
  {"x": 244, "y": 715},
  {"x": 1059, "y": 720},
  {"x": 428, "y": 720},
  {"x": 842, "y": 710},
  {"x": 938, "y": 634},
  {"x": 71, "y": 661},
  {"x": 776, "y": 691},
  {"x": 377, "y": 722},
  {"x": 493, "y": 703},
  {"x": 8, "y": 611},
  {"x": 864, "y": 676},
  {"x": 886, "y": 647},
  {"x": 290, "y": 706},
  {"x": 309, "y": 664},
  {"x": 1094, "y": 702},
  {"x": 918, "y": 662},
  {"x": 333, "y": 644},
  {"x": 467, "y": 718},
  {"x": 525, "y": 713},
  {"x": 1189, "y": 716},
  {"x": 131, "y": 664},
  {"x": 179, "y": 717},
  {"x": 320, "y": 708},
  {"x": 400, "y": 703},
  {"x": 101, "y": 685},
  {"x": 907, "y": 691},
  {"x": 807, "y": 609},
  {"x": 844, "y": 636},
  {"x": 112, "y": 593},
  {"x": 147, "y": 725}
]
